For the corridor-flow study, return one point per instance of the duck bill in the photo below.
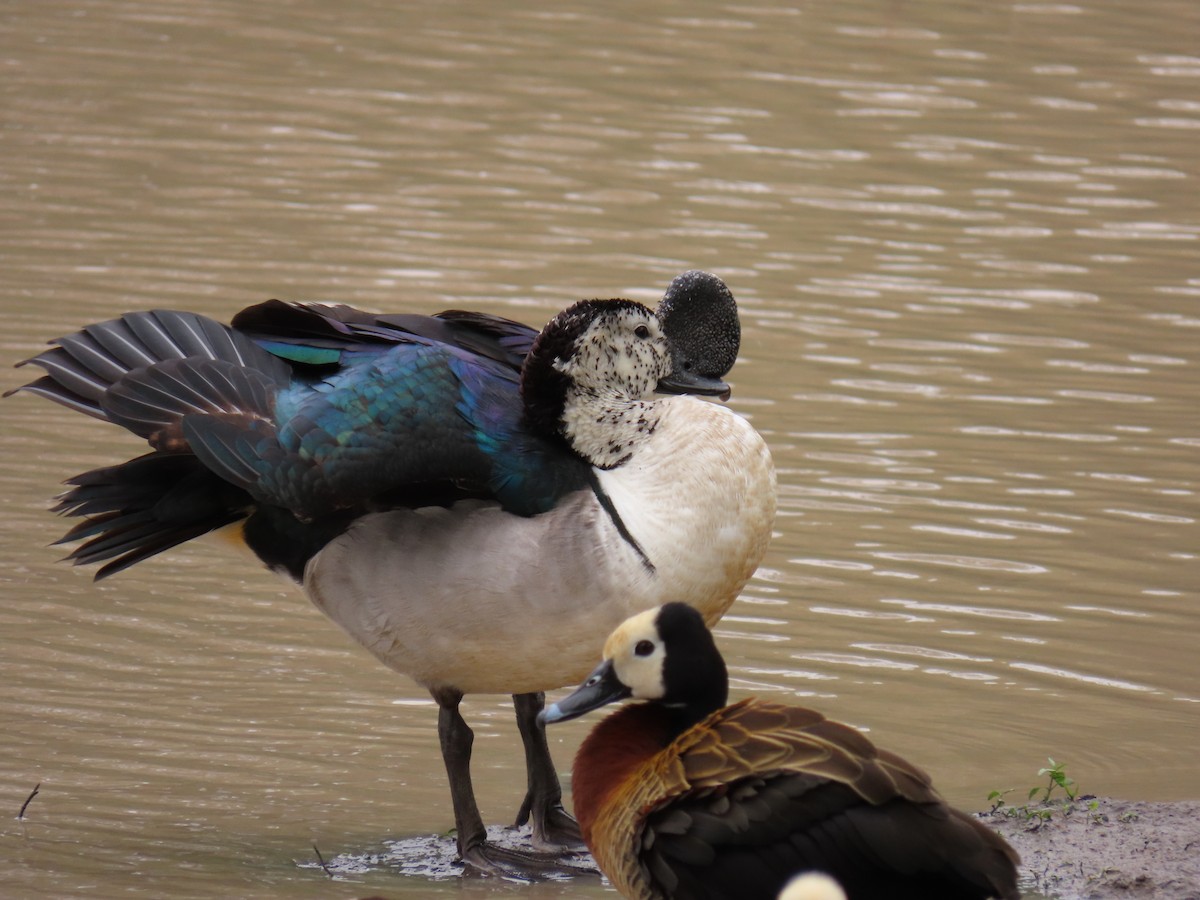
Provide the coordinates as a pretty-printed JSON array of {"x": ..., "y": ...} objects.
[
  {"x": 687, "y": 383},
  {"x": 600, "y": 689}
]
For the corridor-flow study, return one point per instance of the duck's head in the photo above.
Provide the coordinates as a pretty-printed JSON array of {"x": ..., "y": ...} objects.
[
  {"x": 592, "y": 365},
  {"x": 666, "y": 656}
]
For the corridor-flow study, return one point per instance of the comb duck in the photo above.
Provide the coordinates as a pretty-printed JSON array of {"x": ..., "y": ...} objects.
[{"x": 472, "y": 501}]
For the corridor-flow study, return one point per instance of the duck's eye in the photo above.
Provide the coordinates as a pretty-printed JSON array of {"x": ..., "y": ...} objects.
[
  {"x": 644, "y": 648},
  {"x": 642, "y": 331}
]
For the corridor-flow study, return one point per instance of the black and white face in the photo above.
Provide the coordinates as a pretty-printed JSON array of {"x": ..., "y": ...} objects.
[
  {"x": 621, "y": 353},
  {"x": 638, "y": 656},
  {"x": 596, "y": 375},
  {"x": 634, "y": 666},
  {"x": 666, "y": 656}
]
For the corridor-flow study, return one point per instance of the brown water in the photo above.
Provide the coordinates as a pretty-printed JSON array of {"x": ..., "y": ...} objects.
[{"x": 965, "y": 242}]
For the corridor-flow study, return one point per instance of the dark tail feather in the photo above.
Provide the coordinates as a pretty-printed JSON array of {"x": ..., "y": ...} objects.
[
  {"x": 83, "y": 367},
  {"x": 152, "y": 402},
  {"x": 145, "y": 506},
  {"x": 54, "y": 389},
  {"x": 147, "y": 372},
  {"x": 135, "y": 539}
]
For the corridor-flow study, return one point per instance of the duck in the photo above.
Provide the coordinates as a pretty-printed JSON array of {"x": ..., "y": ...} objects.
[
  {"x": 683, "y": 797},
  {"x": 471, "y": 500}
]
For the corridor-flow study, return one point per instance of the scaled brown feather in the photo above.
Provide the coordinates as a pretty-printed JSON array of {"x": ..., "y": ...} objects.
[{"x": 761, "y": 790}]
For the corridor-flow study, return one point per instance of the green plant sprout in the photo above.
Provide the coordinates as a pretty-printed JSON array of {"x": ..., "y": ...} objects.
[{"x": 1056, "y": 780}]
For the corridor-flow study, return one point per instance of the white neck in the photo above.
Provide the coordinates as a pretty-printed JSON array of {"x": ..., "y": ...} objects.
[
  {"x": 607, "y": 429},
  {"x": 698, "y": 498}
]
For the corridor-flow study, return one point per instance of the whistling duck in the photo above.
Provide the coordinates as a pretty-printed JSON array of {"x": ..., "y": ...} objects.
[
  {"x": 474, "y": 502},
  {"x": 683, "y": 797}
]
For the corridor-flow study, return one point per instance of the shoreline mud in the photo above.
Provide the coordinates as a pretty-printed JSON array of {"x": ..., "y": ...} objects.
[{"x": 1107, "y": 848}]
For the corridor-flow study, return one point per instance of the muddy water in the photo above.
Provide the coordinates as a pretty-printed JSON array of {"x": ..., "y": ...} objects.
[{"x": 965, "y": 242}]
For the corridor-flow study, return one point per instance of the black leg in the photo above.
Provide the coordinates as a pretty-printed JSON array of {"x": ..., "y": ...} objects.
[
  {"x": 456, "y": 739},
  {"x": 553, "y": 827}
]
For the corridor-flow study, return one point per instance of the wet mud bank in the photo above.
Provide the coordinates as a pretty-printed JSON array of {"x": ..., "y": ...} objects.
[{"x": 1116, "y": 848}]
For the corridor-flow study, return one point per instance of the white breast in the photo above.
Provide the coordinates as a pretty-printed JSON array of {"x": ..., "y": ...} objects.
[{"x": 484, "y": 601}]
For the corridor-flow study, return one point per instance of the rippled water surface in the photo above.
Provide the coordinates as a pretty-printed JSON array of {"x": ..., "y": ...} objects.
[{"x": 964, "y": 238}]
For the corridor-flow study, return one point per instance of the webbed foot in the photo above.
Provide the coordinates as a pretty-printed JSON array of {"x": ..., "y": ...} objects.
[
  {"x": 553, "y": 828},
  {"x": 527, "y": 865}
]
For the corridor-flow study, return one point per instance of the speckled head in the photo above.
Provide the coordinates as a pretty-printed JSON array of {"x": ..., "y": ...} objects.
[
  {"x": 614, "y": 347},
  {"x": 591, "y": 372}
]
